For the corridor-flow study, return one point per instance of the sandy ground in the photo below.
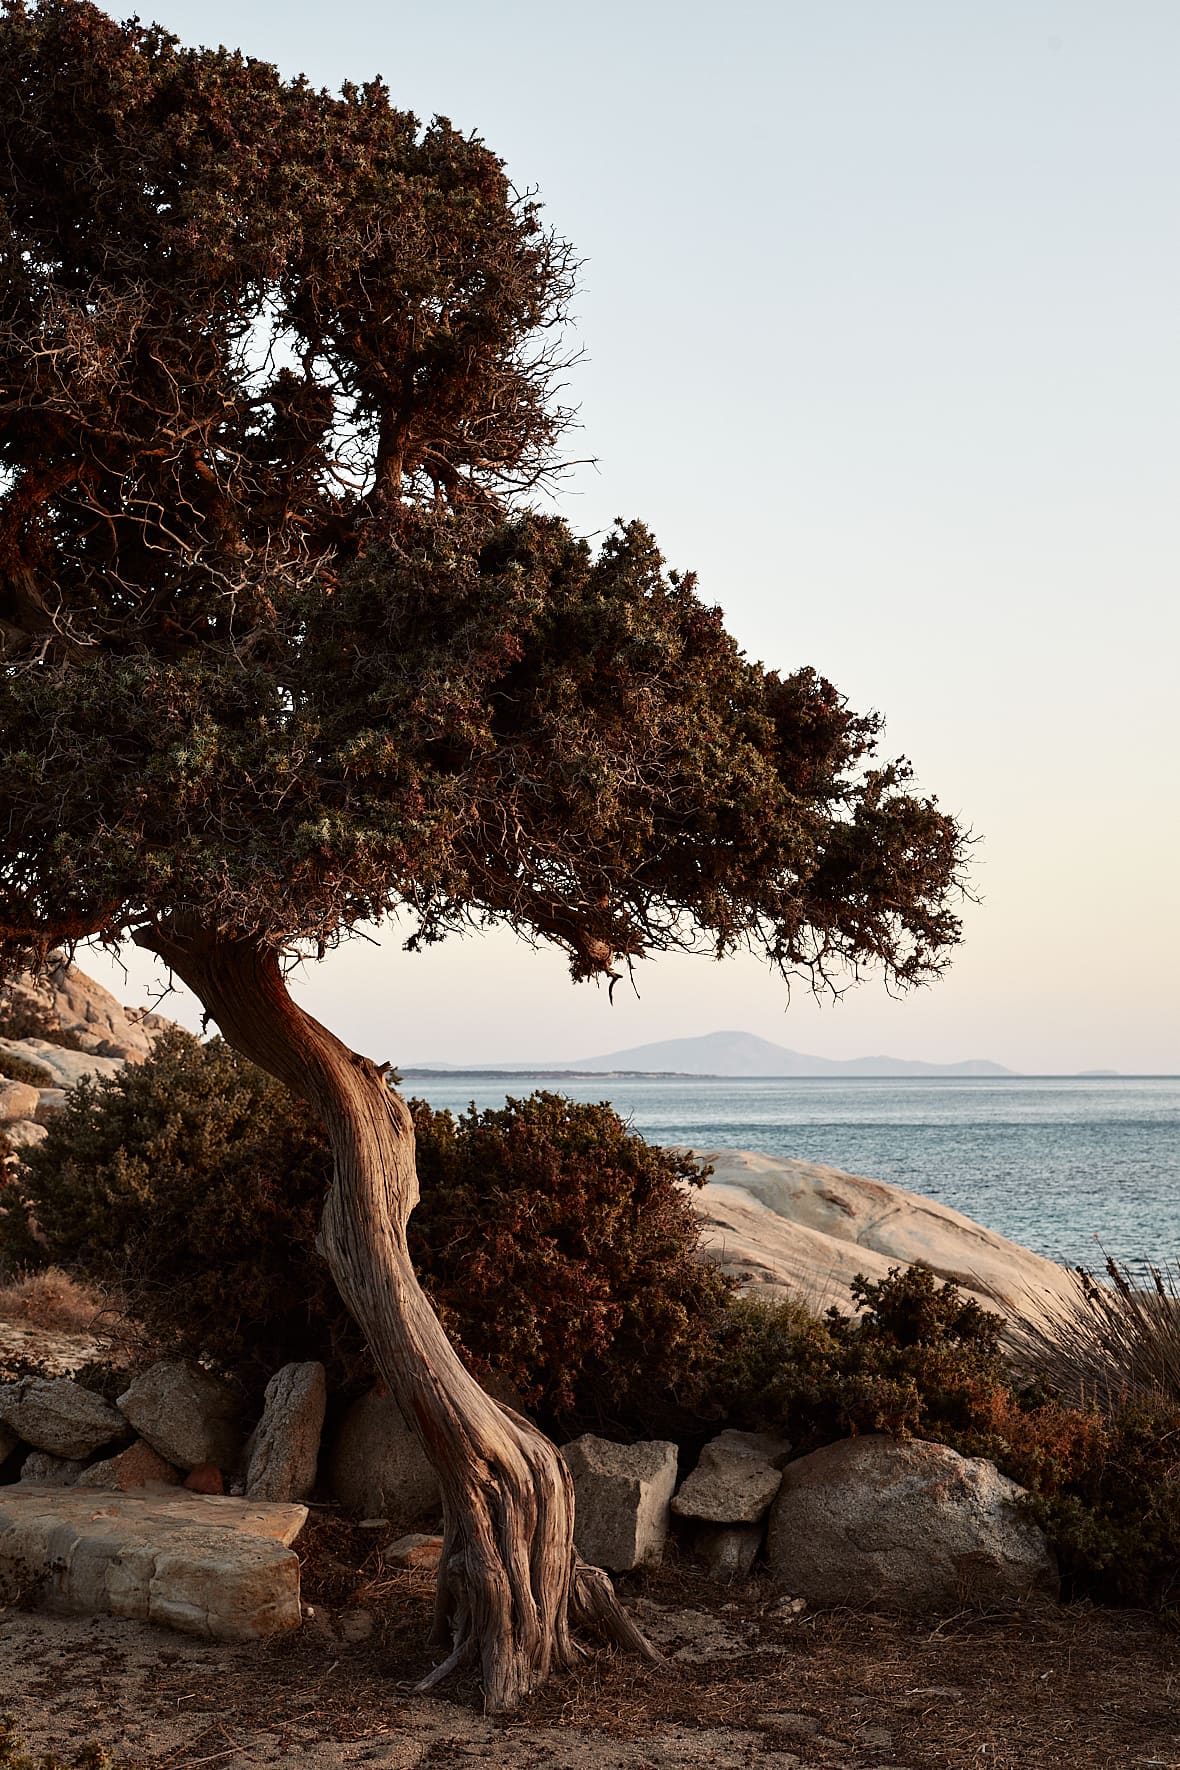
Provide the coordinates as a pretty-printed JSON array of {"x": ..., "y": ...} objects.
[{"x": 745, "y": 1685}]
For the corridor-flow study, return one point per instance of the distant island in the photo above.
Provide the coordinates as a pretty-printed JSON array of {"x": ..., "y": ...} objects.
[{"x": 718, "y": 1054}]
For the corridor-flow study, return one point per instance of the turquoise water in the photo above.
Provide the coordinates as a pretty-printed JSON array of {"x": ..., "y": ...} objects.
[{"x": 1073, "y": 1168}]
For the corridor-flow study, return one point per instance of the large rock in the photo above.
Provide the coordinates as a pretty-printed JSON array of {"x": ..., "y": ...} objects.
[
  {"x": 908, "y": 1524},
  {"x": 734, "y": 1481},
  {"x": 285, "y": 1447},
  {"x": 377, "y": 1466},
  {"x": 792, "y": 1228},
  {"x": 137, "y": 1466},
  {"x": 61, "y": 1068},
  {"x": 18, "y": 1100},
  {"x": 59, "y": 1416},
  {"x": 64, "y": 997},
  {"x": 220, "y": 1568},
  {"x": 46, "y": 1471},
  {"x": 622, "y": 1498},
  {"x": 186, "y": 1414},
  {"x": 24, "y": 1134}
]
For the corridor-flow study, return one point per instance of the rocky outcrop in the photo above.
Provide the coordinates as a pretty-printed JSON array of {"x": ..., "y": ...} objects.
[
  {"x": 59, "y": 1416},
  {"x": 791, "y": 1228},
  {"x": 25, "y": 1134},
  {"x": 622, "y": 1498},
  {"x": 737, "y": 1476},
  {"x": 220, "y": 1568},
  {"x": 61, "y": 1028},
  {"x": 907, "y": 1524},
  {"x": 285, "y": 1446},
  {"x": 61, "y": 1069},
  {"x": 64, "y": 999},
  {"x": 188, "y": 1416},
  {"x": 377, "y": 1466},
  {"x": 18, "y": 1100}
]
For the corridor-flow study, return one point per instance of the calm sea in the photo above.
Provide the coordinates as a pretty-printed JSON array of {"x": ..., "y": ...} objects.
[{"x": 1071, "y": 1167}]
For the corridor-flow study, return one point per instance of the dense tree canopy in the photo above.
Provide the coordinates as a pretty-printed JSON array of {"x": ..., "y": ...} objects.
[{"x": 279, "y": 647}]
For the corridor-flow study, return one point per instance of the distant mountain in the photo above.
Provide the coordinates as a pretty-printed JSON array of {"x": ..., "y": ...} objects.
[{"x": 741, "y": 1054}]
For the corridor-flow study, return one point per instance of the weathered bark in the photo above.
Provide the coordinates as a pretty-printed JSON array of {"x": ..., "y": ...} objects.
[{"x": 511, "y": 1585}]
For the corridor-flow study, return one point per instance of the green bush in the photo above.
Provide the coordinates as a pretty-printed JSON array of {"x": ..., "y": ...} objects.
[
  {"x": 917, "y": 1359},
  {"x": 559, "y": 1248},
  {"x": 15, "y": 1069},
  {"x": 191, "y": 1184},
  {"x": 557, "y": 1245}
]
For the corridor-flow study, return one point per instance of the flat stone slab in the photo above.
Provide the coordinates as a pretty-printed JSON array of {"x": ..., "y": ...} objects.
[{"x": 201, "y": 1563}]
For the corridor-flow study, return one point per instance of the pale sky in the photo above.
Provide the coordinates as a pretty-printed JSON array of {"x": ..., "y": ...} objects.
[{"x": 880, "y": 307}]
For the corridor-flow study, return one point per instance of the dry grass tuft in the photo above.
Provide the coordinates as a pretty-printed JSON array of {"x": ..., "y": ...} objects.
[
  {"x": 1108, "y": 1344},
  {"x": 54, "y": 1301}
]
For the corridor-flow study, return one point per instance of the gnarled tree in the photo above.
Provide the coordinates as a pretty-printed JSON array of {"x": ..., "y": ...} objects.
[{"x": 285, "y": 651}]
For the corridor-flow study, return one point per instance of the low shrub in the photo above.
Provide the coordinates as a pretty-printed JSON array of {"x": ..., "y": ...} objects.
[
  {"x": 559, "y": 1249},
  {"x": 916, "y": 1359},
  {"x": 15, "y": 1069},
  {"x": 191, "y": 1185},
  {"x": 557, "y": 1245},
  {"x": 1104, "y": 1488}
]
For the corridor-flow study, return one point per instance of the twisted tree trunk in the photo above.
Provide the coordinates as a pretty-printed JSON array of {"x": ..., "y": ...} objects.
[{"x": 511, "y": 1586}]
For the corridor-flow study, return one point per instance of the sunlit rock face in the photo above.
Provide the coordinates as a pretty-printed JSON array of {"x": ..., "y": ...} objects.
[{"x": 798, "y": 1228}]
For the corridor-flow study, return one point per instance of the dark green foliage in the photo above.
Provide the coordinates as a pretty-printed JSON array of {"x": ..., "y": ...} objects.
[
  {"x": 283, "y": 651},
  {"x": 15, "y": 1069},
  {"x": 915, "y": 1360},
  {"x": 558, "y": 1248},
  {"x": 556, "y": 1243},
  {"x": 193, "y": 1183},
  {"x": 917, "y": 1357}
]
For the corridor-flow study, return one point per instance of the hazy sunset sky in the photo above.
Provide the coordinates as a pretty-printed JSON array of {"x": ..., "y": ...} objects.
[{"x": 879, "y": 306}]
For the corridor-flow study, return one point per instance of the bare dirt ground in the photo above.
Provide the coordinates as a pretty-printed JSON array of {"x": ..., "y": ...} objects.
[{"x": 745, "y": 1686}]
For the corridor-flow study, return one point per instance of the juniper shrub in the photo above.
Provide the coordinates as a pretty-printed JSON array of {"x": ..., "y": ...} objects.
[
  {"x": 557, "y": 1244},
  {"x": 917, "y": 1358}
]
